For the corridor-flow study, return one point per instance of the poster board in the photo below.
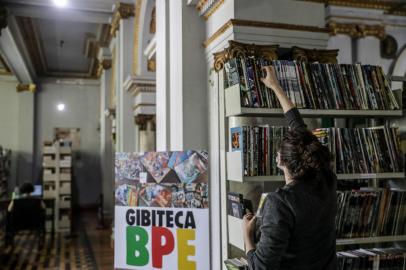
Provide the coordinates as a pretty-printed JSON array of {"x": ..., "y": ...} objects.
[{"x": 162, "y": 211}]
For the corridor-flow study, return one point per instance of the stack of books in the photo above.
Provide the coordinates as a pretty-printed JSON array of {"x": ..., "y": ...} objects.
[
  {"x": 377, "y": 258},
  {"x": 312, "y": 85},
  {"x": 370, "y": 213},
  {"x": 364, "y": 150}
]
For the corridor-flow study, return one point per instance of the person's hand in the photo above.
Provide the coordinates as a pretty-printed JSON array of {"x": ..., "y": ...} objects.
[
  {"x": 249, "y": 226},
  {"x": 271, "y": 80}
]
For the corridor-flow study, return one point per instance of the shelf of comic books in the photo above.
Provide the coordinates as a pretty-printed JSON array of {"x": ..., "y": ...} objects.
[
  {"x": 316, "y": 89},
  {"x": 234, "y": 108},
  {"x": 236, "y": 172},
  {"x": 235, "y": 236}
]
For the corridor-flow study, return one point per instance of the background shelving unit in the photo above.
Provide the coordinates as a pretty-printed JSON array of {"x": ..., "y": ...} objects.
[
  {"x": 232, "y": 114},
  {"x": 57, "y": 177},
  {"x": 5, "y": 166}
]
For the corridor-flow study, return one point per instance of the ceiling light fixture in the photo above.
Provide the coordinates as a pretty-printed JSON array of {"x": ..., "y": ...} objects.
[
  {"x": 60, "y": 3},
  {"x": 60, "y": 107}
]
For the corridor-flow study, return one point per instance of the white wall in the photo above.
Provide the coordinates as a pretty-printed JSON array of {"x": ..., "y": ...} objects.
[
  {"x": 9, "y": 122},
  {"x": 82, "y": 111}
]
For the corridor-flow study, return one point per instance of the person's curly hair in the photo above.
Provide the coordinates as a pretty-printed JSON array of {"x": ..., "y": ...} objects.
[
  {"x": 26, "y": 188},
  {"x": 303, "y": 155}
]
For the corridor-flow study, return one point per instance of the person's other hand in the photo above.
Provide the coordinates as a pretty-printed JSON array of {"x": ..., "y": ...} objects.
[
  {"x": 249, "y": 225},
  {"x": 270, "y": 80}
]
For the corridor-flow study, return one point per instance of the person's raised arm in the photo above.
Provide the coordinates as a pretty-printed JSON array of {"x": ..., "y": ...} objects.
[
  {"x": 292, "y": 115},
  {"x": 272, "y": 82}
]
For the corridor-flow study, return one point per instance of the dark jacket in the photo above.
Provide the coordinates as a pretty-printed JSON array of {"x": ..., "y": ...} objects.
[{"x": 298, "y": 223}]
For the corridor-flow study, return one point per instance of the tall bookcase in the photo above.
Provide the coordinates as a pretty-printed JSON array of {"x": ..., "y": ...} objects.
[
  {"x": 5, "y": 166},
  {"x": 232, "y": 114},
  {"x": 57, "y": 181}
]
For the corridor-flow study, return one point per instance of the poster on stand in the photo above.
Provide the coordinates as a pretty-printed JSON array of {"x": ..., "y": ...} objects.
[{"x": 162, "y": 211}]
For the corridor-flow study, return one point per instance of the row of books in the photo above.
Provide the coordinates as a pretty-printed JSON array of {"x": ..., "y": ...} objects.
[
  {"x": 360, "y": 259},
  {"x": 372, "y": 259},
  {"x": 259, "y": 145},
  {"x": 364, "y": 150},
  {"x": 312, "y": 85},
  {"x": 371, "y": 212}
]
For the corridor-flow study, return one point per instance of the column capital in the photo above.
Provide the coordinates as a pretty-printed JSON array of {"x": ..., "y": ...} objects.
[
  {"x": 29, "y": 87},
  {"x": 356, "y": 30},
  {"x": 121, "y": 11},
  {"x": 145, "y": 121},
  {"x": 104, "y": 60}
]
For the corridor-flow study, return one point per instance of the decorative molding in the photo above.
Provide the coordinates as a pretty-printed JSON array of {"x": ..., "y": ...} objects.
[
  {"x": 121, "y": 11},
  {"x": 356, "y": 30},
  {"x": 142, "y": 120},
  {"x": 112, "y": 96},
  {"x": 105, "y": 36},
  {"x": 137, "y": 12},
  {"x": 152, "y": 24},
  {"x": 314, "y": 55},
  {"x": 213, "y": 9},
  {"x": 235, "y": 49},
  {"x": 201, "y": 4},
  {"x": 151, "y": 65},
  {"x": 103, "y": 65},
  {"x": 370, "y": 4},
  {"x": 30, "y": 87},
  {"x": 261, "y": 24},
  {"x": 135, "y": 107},
  {"x": 136, "y": 86}
]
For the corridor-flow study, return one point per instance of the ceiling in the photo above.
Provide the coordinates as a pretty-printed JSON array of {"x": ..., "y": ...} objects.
[{"x": 62, "y": 42}]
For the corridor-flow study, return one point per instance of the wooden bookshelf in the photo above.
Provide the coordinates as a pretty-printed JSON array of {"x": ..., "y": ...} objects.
[
  {"x": 371, "y": 240},
  {"x": 233, "y": 108}
]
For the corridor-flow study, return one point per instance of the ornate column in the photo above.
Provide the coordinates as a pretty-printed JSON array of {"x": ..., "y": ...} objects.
[
  {"x": 122, "y": 28},
  {"x": 106, "y": 143}
]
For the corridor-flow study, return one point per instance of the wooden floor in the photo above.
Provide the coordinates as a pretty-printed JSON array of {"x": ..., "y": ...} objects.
[{"x": 88, "y": 249}]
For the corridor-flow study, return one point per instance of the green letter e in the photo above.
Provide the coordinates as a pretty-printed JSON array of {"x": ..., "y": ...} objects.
[{"x": 137, "y": 253}]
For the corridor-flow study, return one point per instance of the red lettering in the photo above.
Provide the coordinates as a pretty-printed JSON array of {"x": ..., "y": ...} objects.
[{"x": 159, "y": 250}]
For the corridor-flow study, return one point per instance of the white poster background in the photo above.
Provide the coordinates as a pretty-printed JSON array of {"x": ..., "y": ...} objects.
[{"x": 170, "y": 262}]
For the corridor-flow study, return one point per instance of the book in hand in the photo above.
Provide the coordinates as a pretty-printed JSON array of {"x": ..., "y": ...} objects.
[
  {"x": 312, "y": 85},
  {"x": 261, "y": 204},
  {"x": 237, "y": 205},
  {"x": 236, "y": 264}
]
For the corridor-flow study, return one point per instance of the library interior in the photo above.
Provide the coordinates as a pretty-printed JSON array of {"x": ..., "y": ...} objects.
[{"x": 203, "y": 134}]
